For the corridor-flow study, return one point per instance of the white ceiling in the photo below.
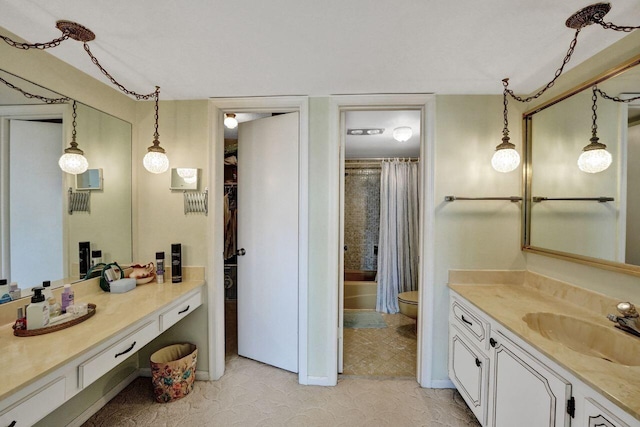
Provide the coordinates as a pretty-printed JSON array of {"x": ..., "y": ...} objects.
[{"x": 201, "y": 48}]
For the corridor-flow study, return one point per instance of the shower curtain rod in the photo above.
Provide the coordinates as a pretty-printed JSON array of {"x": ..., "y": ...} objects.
[{"x": 377, "y": 161}]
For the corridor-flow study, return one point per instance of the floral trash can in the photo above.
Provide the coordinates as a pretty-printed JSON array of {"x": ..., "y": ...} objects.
[{"x": 173, "y": 371}]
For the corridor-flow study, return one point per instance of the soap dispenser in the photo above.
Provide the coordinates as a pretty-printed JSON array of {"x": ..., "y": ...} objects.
[
  {"x": 37, "y": 311},
  {"x": 4, "y": 291}
]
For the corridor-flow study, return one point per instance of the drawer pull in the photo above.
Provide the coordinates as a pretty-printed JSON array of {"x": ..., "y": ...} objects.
[
  {"x": 127, "y": 350},
  {"x": 466, "y": 321},
  {"x": 185, "y": 310},
  {"x": 493, "y": 342},
  {"x": 478, "y": 363}
]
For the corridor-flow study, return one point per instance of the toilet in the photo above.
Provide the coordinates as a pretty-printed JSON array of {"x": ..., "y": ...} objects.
[{"x": 408, "y": 302}]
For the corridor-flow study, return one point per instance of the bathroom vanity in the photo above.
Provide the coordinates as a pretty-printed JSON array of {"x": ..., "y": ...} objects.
[
  {"x": 527, "y": 354},
  {"x": 43, "y": 372}
]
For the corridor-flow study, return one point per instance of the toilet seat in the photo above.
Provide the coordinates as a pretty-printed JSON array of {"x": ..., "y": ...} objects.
[{"x": 409, "y": 297}]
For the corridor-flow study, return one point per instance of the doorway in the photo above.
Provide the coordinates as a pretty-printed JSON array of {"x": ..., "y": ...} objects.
[
  {"x": 380, "y": 200},
  {"x": 263, "y": 106}
]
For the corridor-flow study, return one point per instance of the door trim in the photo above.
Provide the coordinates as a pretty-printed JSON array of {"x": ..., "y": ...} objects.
[
  {"x": 215, "y": 228},
  {"x": 426, "y": 270}
]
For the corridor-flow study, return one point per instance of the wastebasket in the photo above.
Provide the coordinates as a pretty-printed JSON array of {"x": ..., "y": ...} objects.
[{"x": 173, "y": 370}]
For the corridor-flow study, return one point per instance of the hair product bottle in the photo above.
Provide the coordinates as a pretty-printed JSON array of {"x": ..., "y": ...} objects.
[
  {"x": 84, "y": 253},
  {"x": 160, "y": 267},
  {"x": 176, "y": 263}
]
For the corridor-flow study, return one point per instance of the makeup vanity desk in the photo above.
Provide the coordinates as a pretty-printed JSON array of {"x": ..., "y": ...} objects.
[{"x": 42, "y": 372}]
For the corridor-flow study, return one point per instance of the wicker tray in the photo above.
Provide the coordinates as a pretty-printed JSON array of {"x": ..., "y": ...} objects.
[{"x": 91, "y": 310}]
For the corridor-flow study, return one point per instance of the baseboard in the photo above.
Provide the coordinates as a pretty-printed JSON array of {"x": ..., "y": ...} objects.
[
  {"x": 200, "y": 375},
  {"x": 324, "y": 381},
  {"x": 442, "y": 384},
  {"x": 82, "y": 418}
]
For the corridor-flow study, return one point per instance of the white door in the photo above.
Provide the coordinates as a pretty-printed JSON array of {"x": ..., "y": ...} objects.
[
  {"x": 268, "y": 240},
  {"x": 36, "y": 247}
]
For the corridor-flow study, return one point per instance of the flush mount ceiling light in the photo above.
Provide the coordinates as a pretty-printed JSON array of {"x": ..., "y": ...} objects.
[
  {"x": 365, "y": 131},
  {"x": 592, "y": 14},
  {"x": 402, "y": 133},
  {"x": 230, "y": 121},
  {"x": 156, "y": 158},
  {"x": 73, "y": 160}
]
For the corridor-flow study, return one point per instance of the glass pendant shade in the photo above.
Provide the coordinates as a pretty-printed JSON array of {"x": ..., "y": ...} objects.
[
  {"x": 402, "y": 134},
  {"x": 506, "y": 158},
  {"x": 73, "y": 163},
  {"x": 187, "y": 172},
  {"x": 230, "y": 121},
  {"x": 594, "y": 158},
  {"x": 155, "y": 162}
]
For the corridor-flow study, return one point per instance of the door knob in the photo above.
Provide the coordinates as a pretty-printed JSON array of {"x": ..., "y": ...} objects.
[{"x": 241, "y": 252}]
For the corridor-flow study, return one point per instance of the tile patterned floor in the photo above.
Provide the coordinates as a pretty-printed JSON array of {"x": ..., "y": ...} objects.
[
  {"x": 389, "y": 351},
  {"x": 254, "y": 394}
]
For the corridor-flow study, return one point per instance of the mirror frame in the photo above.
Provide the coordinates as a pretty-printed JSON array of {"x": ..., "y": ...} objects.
[{"x": 527, "y": 170}]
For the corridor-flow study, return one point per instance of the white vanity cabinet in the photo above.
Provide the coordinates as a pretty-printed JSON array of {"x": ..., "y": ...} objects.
[
  {"x": 524, "y": 391},
  {"x": 506, "y": 382}
]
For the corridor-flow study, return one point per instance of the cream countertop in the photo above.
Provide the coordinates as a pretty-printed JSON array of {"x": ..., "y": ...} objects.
[
  {"x": 31, "y": 358},
  {"x": 507, "y": 304}
]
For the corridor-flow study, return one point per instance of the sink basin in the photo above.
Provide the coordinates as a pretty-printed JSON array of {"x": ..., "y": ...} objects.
[{"x": 587, "y": 338}]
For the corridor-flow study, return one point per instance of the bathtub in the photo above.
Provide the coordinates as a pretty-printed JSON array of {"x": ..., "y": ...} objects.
[{"x": 360, "y": 289}]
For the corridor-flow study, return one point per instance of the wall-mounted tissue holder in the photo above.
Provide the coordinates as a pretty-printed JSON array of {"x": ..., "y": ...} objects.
[{"x": 79, "y": 201}]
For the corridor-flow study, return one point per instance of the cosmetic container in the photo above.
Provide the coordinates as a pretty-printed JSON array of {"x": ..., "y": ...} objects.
[
  {"x": 4, "y": 291},
  {"x": 21, "y": 320},
  {"x": 14, "y": 291},
  {"x": 67, "y": 297},
  {"x": 37, "y": 311},
  {"x": 160, "y": 267},
  {"x": 176, "y": 263}
]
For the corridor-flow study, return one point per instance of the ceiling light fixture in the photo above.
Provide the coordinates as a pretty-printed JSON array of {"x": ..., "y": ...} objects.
[
  {"x": 506, "y": 158},
  {"x": 73, "y": 160},
  {"x": 591, "y": 14},
  {"x": 156, "y": 158},
  {"x": 402, "y": 134},
  {"x": 365, "y": 131},
  {"x": 230, "y": 121},
  {"x": 156, "y": 161}
]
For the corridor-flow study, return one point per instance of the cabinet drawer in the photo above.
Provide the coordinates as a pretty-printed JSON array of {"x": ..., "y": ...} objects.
[
  {"x": 597, "y": 416},
  {"x": 178, "y": 311},
  {"x": 468, "y": 320},
  {"x": 36, "y": 406},
  {"x": 102, "y": 363}
]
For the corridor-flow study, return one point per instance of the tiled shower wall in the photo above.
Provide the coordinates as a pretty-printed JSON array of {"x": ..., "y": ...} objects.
[{"x": 362, "y": 216}]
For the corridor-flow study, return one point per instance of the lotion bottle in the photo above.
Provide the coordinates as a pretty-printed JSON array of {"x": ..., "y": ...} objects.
[
  {"x": 67, "y": 297},
  {"x": 37, "y": 311}
]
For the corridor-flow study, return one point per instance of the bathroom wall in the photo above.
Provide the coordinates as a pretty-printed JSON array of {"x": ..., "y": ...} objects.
[{"x": 361, "y": 216}]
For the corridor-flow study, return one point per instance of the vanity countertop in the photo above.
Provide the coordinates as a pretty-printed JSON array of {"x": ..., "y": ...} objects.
[
  {"x": 28, "y": 359},
  {"x": 507, "y": 304}
]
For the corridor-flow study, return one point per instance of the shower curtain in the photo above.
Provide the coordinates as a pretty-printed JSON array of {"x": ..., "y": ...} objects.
[{"x": 398, "y": 243}]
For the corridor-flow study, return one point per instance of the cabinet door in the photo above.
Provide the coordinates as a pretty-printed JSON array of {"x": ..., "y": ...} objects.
[
  {"x": 525, "y": 392},
  {"x": 597, "y": 416},
  {"x": 468, "y": 369}
]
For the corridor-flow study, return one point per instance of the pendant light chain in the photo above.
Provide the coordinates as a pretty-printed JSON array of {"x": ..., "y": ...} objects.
[
  {"x": 567, "y": 58},
  {"x": 505, "y": 130},
  {"x": 594, "y": 116},
  {"x": 156, "y": 135},
  {"x": 614, "y": 98},
  {"x": 40, "y": 46},
  {"x": 32, "y": 96},
  {"x": 73, "y": 125},
  {"x": 115, "y": 82},
  {"x": 611, "y": 26}
]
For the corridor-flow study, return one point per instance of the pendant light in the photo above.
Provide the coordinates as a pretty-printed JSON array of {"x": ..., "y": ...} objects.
[
  {"x": 230, "y": 121},
  {"x": 73, "y": 160},
  {"x": 505, "y": 155},
  {"x": 156, "y": 161},
  {"x": 595, "y": 157},
  {"x": 506, "y": 158}
]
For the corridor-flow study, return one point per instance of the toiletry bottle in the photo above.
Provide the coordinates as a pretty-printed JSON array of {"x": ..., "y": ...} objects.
[
  {"x": 21, "y": 320},
  {"x": 46, "y": 289},
  {"x": 84, "y": 253},
  {"x": 37, "y": 311},
  {"x": 14, "y": 291},
  {"x": 67, "y": 297},
  {"x": 96, "y": 257},
  {"x": 54, "y": 307},
  {"x": 4, "y": 291},
  {"x": 160, "y": 267},
  {"x": 176, "y": 263}
]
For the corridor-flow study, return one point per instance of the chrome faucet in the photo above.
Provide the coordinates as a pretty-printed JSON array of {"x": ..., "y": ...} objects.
[{"x": 629, "y": 321}]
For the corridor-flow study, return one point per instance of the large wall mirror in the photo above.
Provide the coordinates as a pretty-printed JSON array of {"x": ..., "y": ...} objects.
[
  {"x": 586, "y": 217},
  {"x": 39, "y": 235}
]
